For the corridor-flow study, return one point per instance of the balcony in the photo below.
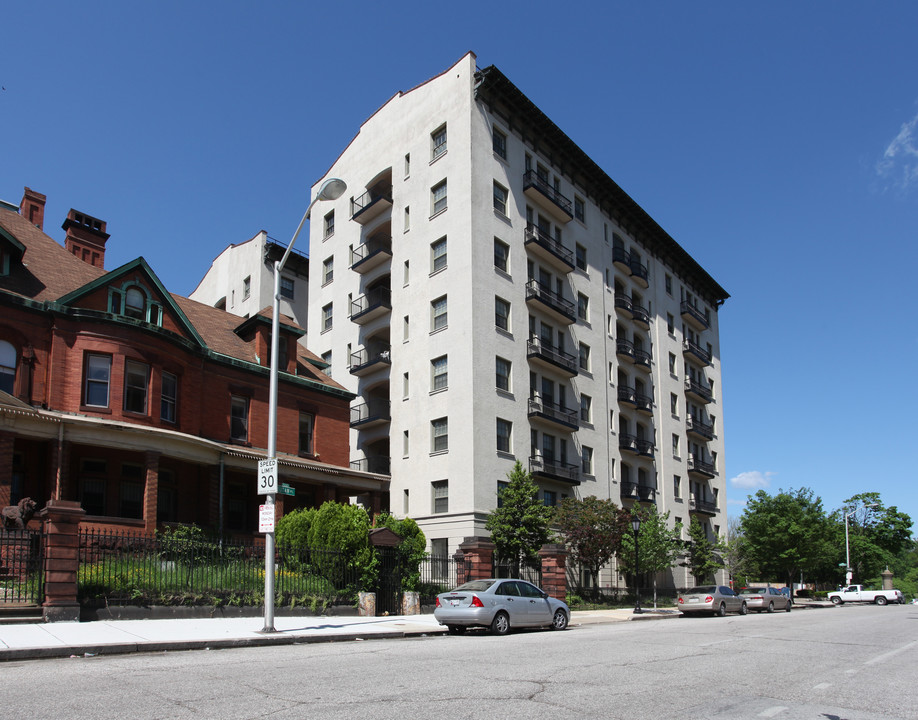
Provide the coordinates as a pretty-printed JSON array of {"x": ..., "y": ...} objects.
[
  {"x": 623, "y": 305},
  {"x": 627, "y": 395},
  {"x": 695, "y": 350},
  {"x": 369, "y": 360},
  {"x": 700, "y": 468},
  {"x": 371, "y": 414},
  {"x": 636, "y": 491},
  {"x": 374, "y": 304},
  {"x": 638, "y": 271},
  {"x": 549, "y": 250},
  {"x": 374, "y": 464},
  {"x": 547, "y": 198},
  {"x": 554, "y": 414},
  {"x": 547, "y": 354},
  {"x": 373, "y": 253},
  {"x": 625, "y": 349},
  {"x": 629, "y": 443},
  {"x": 693, "y": 316},
  {"x": 700, "y": 429},
  {"x": 643, "y": 403},
  {"x": 551, "y": 303},
  {"x": 645, "y": 448},
  {"x": 643, "y": 360},
  {"x": 705, "y": 507},
  {"x": 699, "y": 392},
  {"x": 554, "y": 470},
  {"x": 641, "y": 315},
  {"x": 371, "y": 204}
]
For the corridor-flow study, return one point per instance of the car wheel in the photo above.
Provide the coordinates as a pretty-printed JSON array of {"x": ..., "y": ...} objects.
[
  {"x": 559, "y": 622},
  {"x": 501, "y": 624},
  {"x": 722, "y": 610},
  {"x": 788, "y": 608},
  {"x": 456, "y": 629},
  {"x": 771, "y": 607},
  {"x": 743, "y": 609},
  {"x": 880, "y": 600},
  {"x": 836, "y": 601}
]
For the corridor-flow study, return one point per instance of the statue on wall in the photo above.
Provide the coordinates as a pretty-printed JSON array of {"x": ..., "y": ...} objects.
[{"x": 16, "y": 517}]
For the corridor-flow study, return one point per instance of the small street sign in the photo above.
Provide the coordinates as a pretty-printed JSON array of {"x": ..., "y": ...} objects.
[
  {"x": 286, "y": 489},
  {"x": 267, "y": 476},
  {"x": 266, "y": 518}
]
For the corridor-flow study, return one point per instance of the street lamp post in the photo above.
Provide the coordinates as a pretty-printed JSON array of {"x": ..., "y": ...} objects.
[
  {"x": 636, "y": 526},
  {"x": 848, "y": 574},
  {"x": 331, "y": 189}
]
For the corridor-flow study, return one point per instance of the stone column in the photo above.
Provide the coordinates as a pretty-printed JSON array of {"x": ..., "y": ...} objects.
[
  {"x": 151, "y": 491},
  {"x": 6, "y": 467},
  {"x": 478, "y": 553},
  {"x": 61, "y": 519},
  {"x": 887, "y": 579},
  {"x": 554, "y": 570}
]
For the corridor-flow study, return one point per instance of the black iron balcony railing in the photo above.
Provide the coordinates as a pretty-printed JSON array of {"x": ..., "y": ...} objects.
[
  {"x": 625, "y": 348},
  {"x": 701, "y": 467},
  {"x": 643, "y": 402},
  {"x": 367, "y": 359},
  {"x": 644, "y": 493},
  {"x": 531, "y": 179},
  {"x": 548, "y": 243},
  {"x": 645, "y": 448},
  {"x": 362, "y": 205},
  {"x": 691, "y": 313},
  {"x": 562, "y": 306},
  {"x": 699, "y": 427},
  {"x": 378, "y": 299},
  {"x": 621, "y": 256},
  {"x": 703, "y": 506},
  {"x": 556, "y": 469},
  {"x": 627, "y": 394},
  {"x": 536, "y": 347},
  {"x": 553, "y": 411},
  {"x": 643, "y": 359},
  {"x": 374, "y": 411},
  {"x": 628, "y": 442},
  {"x": 699, "y": 390},
  {"x": 623, "y": 302},
  {"x": 375, "y": 249},
  {"x": 638, "y": 270},
  {"x": 374, "y": 464},
  {"x": 640, "y": 314},
  {"x": 695, "y": 349}
]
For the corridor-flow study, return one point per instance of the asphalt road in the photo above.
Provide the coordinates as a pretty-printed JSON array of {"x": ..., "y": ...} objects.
[{"x": 848, "y": 663}]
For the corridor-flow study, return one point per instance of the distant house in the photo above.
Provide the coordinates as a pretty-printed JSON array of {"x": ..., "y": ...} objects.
[{"x": 145, "y": 406}]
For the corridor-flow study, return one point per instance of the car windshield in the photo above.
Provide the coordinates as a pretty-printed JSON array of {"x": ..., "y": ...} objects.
[
  {"x": 479, "y": 585},
  {"x": 753, "y": 591},
  {"x": 701, "y": 591}
]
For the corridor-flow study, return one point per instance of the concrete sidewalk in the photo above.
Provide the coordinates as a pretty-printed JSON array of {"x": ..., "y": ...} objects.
[{"x": 108, "y": 637}]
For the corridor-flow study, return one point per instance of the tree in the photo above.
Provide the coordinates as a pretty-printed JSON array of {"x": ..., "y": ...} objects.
[
  {"x": 787, "y": 534},
  {"x": 877, "y": 535},
  {"x": 592, "y": 529},
  {"x": 346, "y": 529},
  {"x": 409, "y": 552},
  {"x": 703, "y": 558},
  {"x": 519, "y": 526},
  {"x": 659, "y": 546},
  {"x": 735, "y": 554}
]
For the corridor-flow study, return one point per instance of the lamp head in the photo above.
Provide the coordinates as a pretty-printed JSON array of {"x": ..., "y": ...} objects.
[
  {"x": 636, "y": 524},
  {"x": 331, "y": 189}
]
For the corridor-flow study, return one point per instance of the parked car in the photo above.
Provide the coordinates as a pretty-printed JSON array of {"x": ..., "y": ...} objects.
[
  {"x": 788, "y": 593},
  {"x": 857, "y": 593},
  {"x": 717, "y": 599},
  {"x": 499, "y": 605},
  {"x": 767, "y": 599}
]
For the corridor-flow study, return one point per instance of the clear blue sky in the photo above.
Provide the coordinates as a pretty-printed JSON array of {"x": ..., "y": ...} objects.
[{"x": 778, "y": 143}]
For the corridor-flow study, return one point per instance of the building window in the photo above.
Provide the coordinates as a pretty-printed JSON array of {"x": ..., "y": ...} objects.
[
  {"x": 502, "y": 314},
  {"x": 586, "y": 408},
  {"x": 439, "y": 491},
  {"x": 328, "y": 270},
  {"x": 327, "y": 359},
  {"x": 669, "y": 284},
  {"x": 586, "y": 460},
  {"x": 407, "y": 219},
  {"x": 675, "y": 445},
  {"x": 287, "y": 288},
  {"x": 503, "y": 374},
  {"x": 407, "y": 164},
  {"x": 500, "y": 199},
  {"x": 580, "y": 257},
  {"x": 7, "y": 367},
  {"x": 330, "y": 224},
  {"x": 438, "y": 316},
  {"x": 439, "y": 373},
  {"x": 405, "y": 329},
  {"x": 405, "y": 445},
  {"x": 98, "y": 376},
  {"x": 439, "y": 435},
  {"x": 239, "y": 418},
  {"x": 166, "y": 498},
  {"x": 92, "y": 495},
  {"x": 584, "y": 357},
  {"x": 307, "y": 425},
  {"x": 583, "y": 307},
  {"x": 246, "y": 288},
  {"x": 677, "y": 486},
  {"x": 438, "y": 255},
  {"x": 504, "y": 431},
  {"x": 674, "y": 404},
  {"x": 168, "y": 398},
  {"x": 672, "y": 364},
  {"x": 131, "y": 498},
  {"x": 438, "y": 198},
  {"x": 437, "y": 142},
  {"x": 501, "y": 255},
  {"x": 499, "y": 142},
  {"x": 135, "y": 303},
  {"x": 579, "y": 210},
  {"x": 549, "y": 498},
  {"x": 670, "y": 324},
  {"x": 327, "y": 317}
]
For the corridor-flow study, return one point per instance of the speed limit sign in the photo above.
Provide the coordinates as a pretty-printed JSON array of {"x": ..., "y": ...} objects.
[{"x": 267, "y": 476}]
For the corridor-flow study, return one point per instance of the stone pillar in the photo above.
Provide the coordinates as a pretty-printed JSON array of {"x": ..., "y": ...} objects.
[
  {"x": 151, "y": 491},
  {"x": 478, "y": 556},
  {"x": 887, "y": 579},
  {"x": 61, "y": 520},
  {"x": 554, "y": 570},
  {"x": 6, "y": 467}
]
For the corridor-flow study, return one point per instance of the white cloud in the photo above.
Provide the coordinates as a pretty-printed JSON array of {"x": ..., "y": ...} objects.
[
  {"x": 752, "y": 480},
  {"x": 899, "y": 164}
]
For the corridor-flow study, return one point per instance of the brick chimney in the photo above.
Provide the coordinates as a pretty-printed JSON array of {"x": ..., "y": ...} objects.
[
  {"x": 32, "y": 207},
  {"x": 86, "y": 237}
]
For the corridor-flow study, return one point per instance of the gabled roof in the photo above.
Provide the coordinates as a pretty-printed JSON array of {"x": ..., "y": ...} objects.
[{"x": 264, "y": 317}]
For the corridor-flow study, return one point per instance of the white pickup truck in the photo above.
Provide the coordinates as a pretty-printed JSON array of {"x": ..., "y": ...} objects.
[{"x": 856, "y": 593}]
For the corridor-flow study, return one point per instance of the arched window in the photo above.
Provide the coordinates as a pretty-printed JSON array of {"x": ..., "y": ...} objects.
[
  {"x": 7, "y": 366},
  {"x": 134, "y": 302}
]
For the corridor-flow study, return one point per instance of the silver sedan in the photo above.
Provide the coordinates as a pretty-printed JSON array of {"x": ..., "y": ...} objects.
[
  {"x": 499, "y": 605},
  {"x": 767, "y": 599},
  {"x": 717, "y": 599}
]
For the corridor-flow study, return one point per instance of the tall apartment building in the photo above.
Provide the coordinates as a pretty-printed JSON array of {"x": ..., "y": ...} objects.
[{"x": 491, "y": 295}]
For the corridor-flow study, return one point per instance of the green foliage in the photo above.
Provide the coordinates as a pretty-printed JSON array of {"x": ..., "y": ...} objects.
[
  {"x": 704, "y": 555},
  {"x": 293, "y": 528},
  {"x": 592, "y": 530},
  {"x": 659, "y": 546},
  {"x": 877, "y": 536},
  {"x": 410, "y": 552},
  {"x": 735, "y": 556},
  {"x": 520, "y": 526}
]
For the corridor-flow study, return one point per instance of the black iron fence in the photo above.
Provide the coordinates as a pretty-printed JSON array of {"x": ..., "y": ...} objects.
[
  {"x": 529, "y": 571},
  {"x": 21, "y": 567}
]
